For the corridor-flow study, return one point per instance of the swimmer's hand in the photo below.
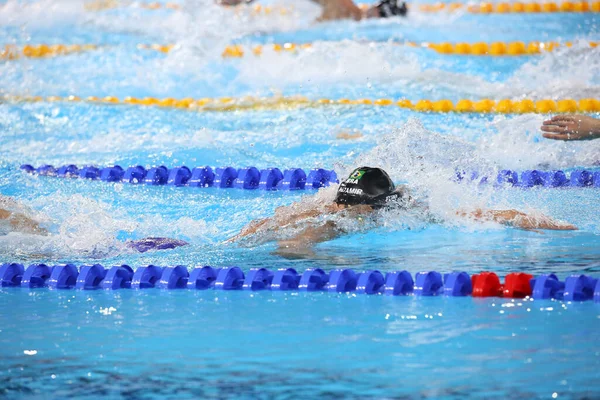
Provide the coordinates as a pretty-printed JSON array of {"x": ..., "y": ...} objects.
[
  {"x": 154, "y": 243},
  {"x": 519, "y": 219},
  {"x": 571, "y": 127}
]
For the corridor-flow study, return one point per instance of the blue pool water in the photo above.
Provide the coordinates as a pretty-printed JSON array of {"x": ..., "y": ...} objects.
[{"x": 189, "y": 344}]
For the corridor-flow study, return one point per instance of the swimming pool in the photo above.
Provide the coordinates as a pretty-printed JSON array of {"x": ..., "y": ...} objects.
[{"x": 154, "y": 343}]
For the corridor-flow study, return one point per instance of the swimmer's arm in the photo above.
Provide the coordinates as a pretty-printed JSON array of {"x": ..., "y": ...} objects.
[
  {"x": 518, "y": 219},
  {"x": 22, "y": 223},
  {"x": 300, "y": 246},
  {"x": 283, "y": 216}
]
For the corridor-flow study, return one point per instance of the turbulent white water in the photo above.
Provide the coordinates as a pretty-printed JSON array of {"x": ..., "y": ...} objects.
[{"x": 425, "y": 152}]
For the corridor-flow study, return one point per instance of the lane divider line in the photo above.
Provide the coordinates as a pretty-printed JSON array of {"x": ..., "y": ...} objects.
[
  {"x": 496, "y": 49},
  {"x": 224, "y": 177},
  {"x": 371, "y": 282},
  {"x": 13, "y": 52},
  {"x": 248, "y": 103},
  {"x": 293, "y": 178}
]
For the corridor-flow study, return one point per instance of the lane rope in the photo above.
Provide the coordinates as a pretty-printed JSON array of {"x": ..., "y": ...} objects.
[
  {"x": 13, "y": 52},
  {"x": 516, "y": 285},
  {"x": 248, "y": 103},
  {"x": 291, "y": 179},
  {"x": 223, "y": 177},
  {"x": 517, "y": 48},
  {"x": 516, "y": 7}
]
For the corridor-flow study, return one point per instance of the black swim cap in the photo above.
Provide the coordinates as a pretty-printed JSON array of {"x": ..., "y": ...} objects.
[{"x": 367, "y": 185}]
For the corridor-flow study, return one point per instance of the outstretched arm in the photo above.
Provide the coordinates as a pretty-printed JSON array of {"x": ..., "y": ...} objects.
[
  {"x": 519, "y": 219},
  {"x": 22, "y": 223},
  {"x": 284, "y": 216},
  {"x": 300, "y": 246},
  {"x": 571, "y": 127}
]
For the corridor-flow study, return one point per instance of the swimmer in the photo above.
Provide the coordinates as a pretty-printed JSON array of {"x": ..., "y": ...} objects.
[
  {"x": 13, "y": 219},
  {"x": 364, "y": 192},
  {"x": 571, "y": 127},
  {"x": 347, "y": 9},
  {"x": 232, "y": 2}
]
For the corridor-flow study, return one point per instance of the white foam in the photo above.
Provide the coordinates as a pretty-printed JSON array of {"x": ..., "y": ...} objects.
[
  {"x": 80, "y": 226},
  {"x": 401, "y": 68},
  {"x": 41, "y": 13}
]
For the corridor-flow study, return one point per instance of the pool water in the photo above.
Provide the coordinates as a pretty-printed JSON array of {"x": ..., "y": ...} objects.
[{"x": 191, "y": 344}]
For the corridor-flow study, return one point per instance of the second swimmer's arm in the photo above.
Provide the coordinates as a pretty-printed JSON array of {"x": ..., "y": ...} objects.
[
  {"x": 22, "y": 223},
  {"x": 519, "y": 219}
]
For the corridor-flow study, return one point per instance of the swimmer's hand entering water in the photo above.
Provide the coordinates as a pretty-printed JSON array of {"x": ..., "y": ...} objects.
[
  {"x": 519, "y": 219},
  {"x": 571, "y": 127}
]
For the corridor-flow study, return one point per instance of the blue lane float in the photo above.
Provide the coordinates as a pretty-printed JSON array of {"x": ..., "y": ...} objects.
[
  {"x": 398, "y": 283},
  {"x": 118, "y": 277},
  {"x": 157, "y": 176},
  {"x": 293, "y": 179},
  {"x": 36, "y": 276},
  {"x": 179, "y": 176},
  {"x": 112, "y": 174},
  {"x": 63, "y": 277},
  {"x": 174, "y": 278},
  {"x": 547, "y": 287},
  {"x": 231, "y": 278},
  {"x": 428, "y": 284},
  {"x": 68, "y": 171},
  {"x": 203, "y": 278},
  {"x": 44, "y": 170},
  {"x": 202, "y": 177},
  {"x": 285, "y": 279},
  {"x": 577, "y": 288},
  {"x": 224, "y": 177},
  {"x": 457, "y": 284},
  {"x": 313, "y": 280},
  {"x": 134, "y": 174},
  {"x": 370, "y": 282},
  {"x": 342, "y": 281},
  {"x": 269, "y": 178},
  {"x": 146, "y": 277},
  {"x": 89, "y": 173},
  {"x": 11, "y": 274},
  {"x": 258, "y": 279},
  {"x": 248, "y": 178},
  {"x": 90, "y": 277}
]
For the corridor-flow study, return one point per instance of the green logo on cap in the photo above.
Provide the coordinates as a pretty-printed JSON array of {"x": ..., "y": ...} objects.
[{"x": 357, "y": 174}]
